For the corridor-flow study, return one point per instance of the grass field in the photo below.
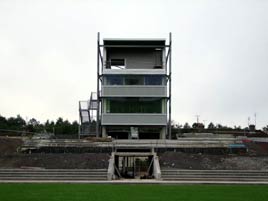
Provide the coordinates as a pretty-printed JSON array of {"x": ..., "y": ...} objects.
[{"x": 103, "y": 192}]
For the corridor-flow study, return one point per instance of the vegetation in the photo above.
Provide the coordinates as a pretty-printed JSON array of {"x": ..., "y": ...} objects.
[
  {"x": 19, "y": 124},
  {"x": 64, "y": 127},
  {"x": 105, "y": 192}
]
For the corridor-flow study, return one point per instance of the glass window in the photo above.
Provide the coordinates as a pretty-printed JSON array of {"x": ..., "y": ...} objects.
[
  {"x": 134, "y": 80},
  {"x": 115, "y": 80},
  {"x": 135, "y": 105},
  {"x": 153, "y": 80}
]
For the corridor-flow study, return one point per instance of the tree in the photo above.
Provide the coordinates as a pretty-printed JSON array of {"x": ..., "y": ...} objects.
[
  {"x": 59, "y": 121},
  {"x": 219, "y": 126},
  {"x": 49, "y": 126},
  {"x": 3, "y": 122},
  {"x": 265, "y": 129},
  {"x": 65, "y": 127},
  {"x": 211, "y": 126},
  {"x": 186, "y": 126},
  {"x": 33, "y": 122},
  {"x": 17, "y": 123},
  {"x": 32, "y": 125},
  {"x": 198, "y": 126}
]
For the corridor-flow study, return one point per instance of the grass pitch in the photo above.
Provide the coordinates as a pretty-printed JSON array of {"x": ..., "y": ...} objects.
[{"x": 107, "y": 192}]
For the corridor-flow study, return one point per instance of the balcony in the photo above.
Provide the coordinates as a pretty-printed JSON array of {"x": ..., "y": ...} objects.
[
  {"x": 134, "y": 91},
  {"x": 133, "y": 119}
]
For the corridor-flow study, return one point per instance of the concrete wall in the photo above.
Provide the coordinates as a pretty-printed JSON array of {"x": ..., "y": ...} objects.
[
  {"x": 157, "y": 170},
  {"x": 110, "y": 171}
]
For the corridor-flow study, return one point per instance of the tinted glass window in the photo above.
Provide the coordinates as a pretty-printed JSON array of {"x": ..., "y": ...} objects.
[
  {"x": 115, "y": 80},
  {"x": 135, "y": 105},
  {"x": 153, "y": 80},
  {"x": 134, "y": 80}
]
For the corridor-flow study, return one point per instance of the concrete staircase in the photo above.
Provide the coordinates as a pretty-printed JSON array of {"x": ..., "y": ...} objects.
[
  {"x": 215, "y": 175},
  {"x": 53, "y": 175}
]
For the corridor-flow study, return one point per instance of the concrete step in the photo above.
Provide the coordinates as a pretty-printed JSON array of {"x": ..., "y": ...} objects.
[
  {"x": 53, "y": 174},
  {"x": 54, "y": 178},
  {"x": 217, "y": 179},
  {"x": 43, "y": 171},
  {"x": 214, "y": 175}
]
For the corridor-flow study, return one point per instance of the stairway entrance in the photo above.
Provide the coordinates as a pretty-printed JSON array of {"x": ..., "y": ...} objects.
[{"x": 134, "y": 165}]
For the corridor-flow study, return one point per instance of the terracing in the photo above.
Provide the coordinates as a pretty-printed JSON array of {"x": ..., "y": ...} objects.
[
  {"x": 204, "y": 144},
  {"x": 70, "y": 154}
]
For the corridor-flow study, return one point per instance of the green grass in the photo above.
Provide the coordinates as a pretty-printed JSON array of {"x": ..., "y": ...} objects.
[{"x": 106, "y": 192}]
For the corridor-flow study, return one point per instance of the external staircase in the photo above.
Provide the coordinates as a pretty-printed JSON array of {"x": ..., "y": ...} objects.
[{"x": 87, "y": 114}]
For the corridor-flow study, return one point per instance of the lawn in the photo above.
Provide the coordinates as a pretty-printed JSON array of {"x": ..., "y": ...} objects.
[{"x": 106, "y": 192}]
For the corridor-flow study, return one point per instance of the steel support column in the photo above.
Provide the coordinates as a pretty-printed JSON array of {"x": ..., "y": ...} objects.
[
  {"x": 169, "y": 110},
  {"x": 98, "y": 95}
]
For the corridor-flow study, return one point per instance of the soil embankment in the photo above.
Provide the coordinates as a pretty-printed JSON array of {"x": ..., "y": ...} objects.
[{"x": 255, "y": 159}]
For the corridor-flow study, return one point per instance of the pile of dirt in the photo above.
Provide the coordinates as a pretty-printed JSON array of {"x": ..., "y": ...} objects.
[
  {"x": 55, "y": 161},
  {"x": 181, "y": 160},
  {"x": 10, "y": 158},
  {"x": 257, "y": 148},
  {"x": 9, "y": 145}
]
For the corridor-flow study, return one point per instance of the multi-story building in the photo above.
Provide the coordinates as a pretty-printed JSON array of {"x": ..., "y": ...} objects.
[{"x": 134, "y": 88}]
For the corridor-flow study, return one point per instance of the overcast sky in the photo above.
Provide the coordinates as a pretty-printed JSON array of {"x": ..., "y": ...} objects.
[{"x": 220, "y": 55}]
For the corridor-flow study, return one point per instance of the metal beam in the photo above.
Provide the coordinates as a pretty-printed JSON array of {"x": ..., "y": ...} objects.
[
  {"x": 137, "y": 46},
  {"x": 169, "y": 112},
  {"x": 168, "y": 55},
  {"x": 98, "y": 96},
  {"x": 100, "y": 56}
]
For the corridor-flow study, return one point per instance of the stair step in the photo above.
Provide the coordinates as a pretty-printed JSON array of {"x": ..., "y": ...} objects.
[{"x": 53, "y": 174}]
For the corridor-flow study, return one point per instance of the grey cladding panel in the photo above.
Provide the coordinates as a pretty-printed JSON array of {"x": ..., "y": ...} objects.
[
  {"x": 134, "y": 119},
  {"x": 136, "y": 91}
]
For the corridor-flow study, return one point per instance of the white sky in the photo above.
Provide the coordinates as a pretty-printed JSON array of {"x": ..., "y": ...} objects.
[{"x": 220, "y": 54}]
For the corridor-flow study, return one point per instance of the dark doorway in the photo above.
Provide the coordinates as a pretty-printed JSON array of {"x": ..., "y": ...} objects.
[
  {"x": 119, "y": 135},
  {"x": 134, "y": 167},
  {"x": 149, "y": 135}
]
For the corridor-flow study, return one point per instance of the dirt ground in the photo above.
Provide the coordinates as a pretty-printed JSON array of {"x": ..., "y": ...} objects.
[
  {"x": 55, "y": 161},
  {"x": 256, "y": 159},
  {"x": 10, "y": 158},
  {"x": 212, "y": 162},
  {"x": 9, "y": 145}
]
